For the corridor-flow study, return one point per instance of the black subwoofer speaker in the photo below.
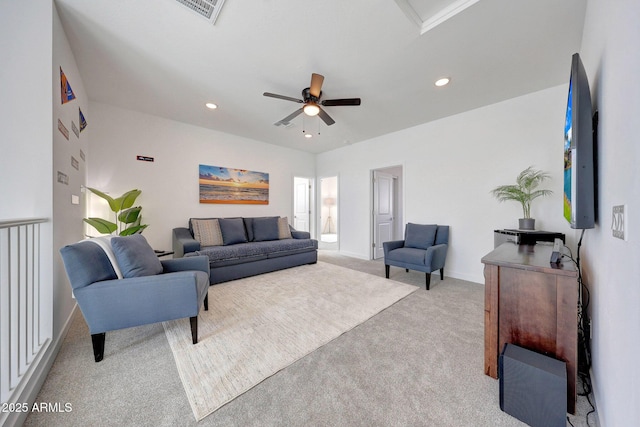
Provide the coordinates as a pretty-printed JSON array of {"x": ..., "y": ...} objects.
[{"x": 533, "y": 387}]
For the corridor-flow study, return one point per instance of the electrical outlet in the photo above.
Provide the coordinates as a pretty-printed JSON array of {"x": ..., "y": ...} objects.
[{"x": 619, "y": 222}]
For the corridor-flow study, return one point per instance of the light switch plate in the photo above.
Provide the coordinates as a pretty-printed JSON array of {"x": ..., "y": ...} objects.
[{"x": 619, "y": 222}]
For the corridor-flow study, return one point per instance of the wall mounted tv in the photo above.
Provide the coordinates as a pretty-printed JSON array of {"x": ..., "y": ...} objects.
[{"x": 579, "y": 145}]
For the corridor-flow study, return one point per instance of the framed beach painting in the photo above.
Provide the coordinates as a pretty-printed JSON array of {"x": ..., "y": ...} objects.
[{"x": 228, "y": 185}]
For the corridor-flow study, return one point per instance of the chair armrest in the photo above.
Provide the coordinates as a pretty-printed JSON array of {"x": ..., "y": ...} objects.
[
  {"x": 183, "y": 242},
  {"x": 199, "y": 262},
  {"x": 436, "y": 256},
  {"x": 391, "y": 245},
  {"x": 300, "y": 234},
  {"x": 122, "y": 303}
]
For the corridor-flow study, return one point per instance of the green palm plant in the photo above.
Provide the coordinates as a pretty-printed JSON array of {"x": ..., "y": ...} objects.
[
  {"x": 525, "y": 190},
  {"x": 128, "y": 218}
]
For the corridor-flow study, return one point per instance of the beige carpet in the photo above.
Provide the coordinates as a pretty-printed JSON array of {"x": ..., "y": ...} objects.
[{"x": 258, "y": 326}]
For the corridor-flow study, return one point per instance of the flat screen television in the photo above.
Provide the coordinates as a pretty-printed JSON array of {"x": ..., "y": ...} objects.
[{"x": 579, "y": 145}]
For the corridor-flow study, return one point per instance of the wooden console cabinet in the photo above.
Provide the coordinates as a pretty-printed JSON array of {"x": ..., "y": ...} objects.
[{"x": 532, "y": 304}]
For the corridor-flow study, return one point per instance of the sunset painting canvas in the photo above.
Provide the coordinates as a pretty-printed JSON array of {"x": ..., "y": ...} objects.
[{"x": 228, "y": 185}]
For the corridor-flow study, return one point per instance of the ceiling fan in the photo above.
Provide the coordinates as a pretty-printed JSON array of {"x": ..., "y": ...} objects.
[{"x": 311, "y": 100}]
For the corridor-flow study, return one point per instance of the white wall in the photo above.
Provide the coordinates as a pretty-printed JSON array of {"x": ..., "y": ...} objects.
[
  {"x": 611, "y": 266},
  {"x": 25, "y": 111},
  {"x": 67, "y": 217},
  {"x": 170, "y": 184},
  {"x": 450, "y": 166},
  {"x": 26, "y": 156}
]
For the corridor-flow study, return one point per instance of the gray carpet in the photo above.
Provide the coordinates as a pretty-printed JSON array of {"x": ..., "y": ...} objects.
[
  {"x": 417, "y": 363},
  {"x": 259, "y": 325}
]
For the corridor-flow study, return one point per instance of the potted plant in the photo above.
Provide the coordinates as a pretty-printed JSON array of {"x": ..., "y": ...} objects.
[
  {"x": 127, "y": 217},
  {"x": 524, "y": 191}
]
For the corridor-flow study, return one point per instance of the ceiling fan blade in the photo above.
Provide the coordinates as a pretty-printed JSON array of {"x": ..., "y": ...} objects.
[
  {"x": 325, "y": 117},
  {"x": 286, "y": 98},
  {"x": 335, "y": 102},
  {"x": 290, "y": 117},
  {"x": 316, "y": 84}
]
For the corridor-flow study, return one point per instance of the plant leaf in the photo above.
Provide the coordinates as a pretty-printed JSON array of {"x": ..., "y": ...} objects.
[
  {"x": 115, "y": 207},
  {"x": 129, "y": 198},
  {"x": 133, "y": 230},
  {"x": 129, "y": 216},
  {"x": 101, "y": 225}
]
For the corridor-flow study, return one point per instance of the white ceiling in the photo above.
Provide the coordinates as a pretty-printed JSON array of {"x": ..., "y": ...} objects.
[{"x": 160, "y": 58}]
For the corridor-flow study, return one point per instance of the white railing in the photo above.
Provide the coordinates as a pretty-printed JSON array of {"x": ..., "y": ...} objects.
[{"x": 21, "y": 305}]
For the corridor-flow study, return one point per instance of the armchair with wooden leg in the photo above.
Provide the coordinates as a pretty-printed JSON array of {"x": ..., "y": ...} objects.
[
  {"x": 120, "y": 283},
  {"x": 424, "y": 248}
]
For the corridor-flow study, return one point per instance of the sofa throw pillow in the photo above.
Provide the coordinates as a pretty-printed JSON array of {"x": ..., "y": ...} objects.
[
  {"x": 283, "y": 228},
  {"x": 248, "y": 227},
  {"x": 420, "y": 236},
  {"x": 265, "y": 229},
  {"x": 135, "y": 256},
  {"x": 232, "y": 231},
  {"x": 207, "y": 232}
]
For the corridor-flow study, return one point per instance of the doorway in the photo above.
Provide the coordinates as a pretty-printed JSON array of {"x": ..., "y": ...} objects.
[
  {"x": 328, "y": 224},
  {"x": 302, "y": 203},
  {"x": 386, "y": 225}
]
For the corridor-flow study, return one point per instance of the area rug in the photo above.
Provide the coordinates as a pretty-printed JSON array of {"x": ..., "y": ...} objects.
[{"x": 258, "y": 326}]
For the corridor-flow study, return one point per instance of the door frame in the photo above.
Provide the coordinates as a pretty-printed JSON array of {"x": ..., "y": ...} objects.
[
  {"x": 398, "y": 204},
  {"x": 312, "y": 203},
  {"x": 336, "y": 221}
]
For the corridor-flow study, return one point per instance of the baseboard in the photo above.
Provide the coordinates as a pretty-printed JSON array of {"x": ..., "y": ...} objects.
[
  {"x": 465, "y": 277},
  {"x": 594, "y": 394},
  {"x": 36, "y": 376},
  {"x": 354, "y": 255}
]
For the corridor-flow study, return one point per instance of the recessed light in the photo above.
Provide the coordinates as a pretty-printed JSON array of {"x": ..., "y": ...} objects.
[
  {"x": 443, "y": 81},
  {"x": 308, "y": 135},
  {"x": 211, "y": 105}
]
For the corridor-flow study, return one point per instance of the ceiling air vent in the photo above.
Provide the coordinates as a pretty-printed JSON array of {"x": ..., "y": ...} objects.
[{"x": 206, "y": 8}]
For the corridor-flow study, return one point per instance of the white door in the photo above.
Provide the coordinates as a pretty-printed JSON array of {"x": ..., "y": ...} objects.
[
  {"x": 301, "y": 214},
  {"x": 382, "y": 211}
]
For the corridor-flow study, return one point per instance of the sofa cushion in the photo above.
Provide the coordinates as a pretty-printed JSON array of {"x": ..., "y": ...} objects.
[
  {"x": 135, "y": 256},
  {"x": 207, "y": 232},
  {"x": 420, "y": 236},
  {"x": 265, "y": 229},
  {"x": 232, "y": 231},
  {"x": 283, "y": 228},
  {"x": 257, "y": 249},
  {"x": 407, "y": 256}
]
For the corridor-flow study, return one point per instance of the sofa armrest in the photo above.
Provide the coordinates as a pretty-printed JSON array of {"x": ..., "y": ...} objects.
[
  {"x": 183, "y": 242},
  {"x": 391, "y": 245},
  {"x": 200, "y": 263},
  {"x": 436, "y": 256},
  {"x": 300, "y": 234}
]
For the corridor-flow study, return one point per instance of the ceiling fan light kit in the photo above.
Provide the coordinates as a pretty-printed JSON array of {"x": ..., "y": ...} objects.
[
  {"x": 311, "y": 109},
  {"x": 311, "y": 98}
]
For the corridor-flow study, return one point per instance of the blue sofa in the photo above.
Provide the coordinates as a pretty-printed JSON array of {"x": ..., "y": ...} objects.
[{"x": 243, "y": 247}]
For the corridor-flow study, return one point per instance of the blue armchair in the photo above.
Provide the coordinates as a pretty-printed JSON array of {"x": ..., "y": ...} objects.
[
  {"x": 119, "y": 283},
  {"x": 424, "y": 248}
]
